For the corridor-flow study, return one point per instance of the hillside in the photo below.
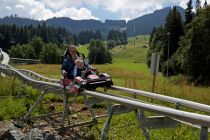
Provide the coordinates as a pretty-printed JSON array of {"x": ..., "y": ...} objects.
[
  {"x": 145, "y": 24},
  {"x": 142, "y": 25}
]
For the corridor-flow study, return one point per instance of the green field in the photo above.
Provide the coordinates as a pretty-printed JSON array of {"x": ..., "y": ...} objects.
[{"x": 129, "y": 69}]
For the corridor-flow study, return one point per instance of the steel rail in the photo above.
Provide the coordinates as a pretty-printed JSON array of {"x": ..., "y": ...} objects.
[
  {"x": 18, "y": 74},
  {"x": 5, "y": 58},
  {"x": 38, "y": 76},
  {"x": 25, "y": 60},
  {"x": 178, "y": 101},
  {"x": 202, "y": 120}
]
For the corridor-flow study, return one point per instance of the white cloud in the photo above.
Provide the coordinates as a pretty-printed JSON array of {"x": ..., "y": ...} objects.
[
  {"x": 81, "y": 13},
  {"x": 18, "y": 6},
  {"x": 61, "y": 4},
  {"x": 183, "y": 3},
  {"x": 8, "y": 8},
  {"x": 130, "y": 9},
  {"x": 41, "y": 11},
  {"x": 79, "y": 9}
]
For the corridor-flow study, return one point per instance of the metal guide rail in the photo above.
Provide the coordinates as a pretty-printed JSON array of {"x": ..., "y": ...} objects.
[
  {"x": 37, "y": 76},
  {"x": 125, "y": 104},
  {"x": 27, "y": 61},
  {"x": 177, "y": 101}
]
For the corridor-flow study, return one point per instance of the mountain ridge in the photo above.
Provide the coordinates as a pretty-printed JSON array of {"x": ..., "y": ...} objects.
[{"x": 140, "y": 25}]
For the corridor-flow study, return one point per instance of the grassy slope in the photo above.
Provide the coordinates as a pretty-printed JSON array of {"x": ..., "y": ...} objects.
[{"x": 129, "y": 70}]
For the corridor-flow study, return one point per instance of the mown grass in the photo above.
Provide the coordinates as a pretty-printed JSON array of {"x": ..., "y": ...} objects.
[
  {"x": 16, "y": 99},
  {"x": 9, "y": 86},
  {"x": 12, "y": 108},
  {"x": 130, "y": 70},
  {"x": 83, "y": 49}
]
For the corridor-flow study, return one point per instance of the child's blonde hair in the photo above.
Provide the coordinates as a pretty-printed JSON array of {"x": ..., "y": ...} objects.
[{"x": 79, "y": 60}]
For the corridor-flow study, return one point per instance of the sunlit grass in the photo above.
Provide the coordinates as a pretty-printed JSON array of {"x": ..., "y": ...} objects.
[
  {"x": 83, "y": 49},
  {"x": 11, "y": 108},
  {"x": 9, "y": 86},
  {"x": 48, "y": 70}
]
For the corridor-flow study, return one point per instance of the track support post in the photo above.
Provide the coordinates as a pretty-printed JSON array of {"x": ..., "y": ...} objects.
[
  {"x": 204, "y": 133},
  {"x": 35, "y": 104}
]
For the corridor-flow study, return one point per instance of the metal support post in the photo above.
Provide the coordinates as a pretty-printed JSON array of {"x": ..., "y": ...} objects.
[
  {"x": 35, "y": 104},
  {"x": 177, "y": 105},
  {"x": 106, "y": 127},
  {"x": 65, "y": 99},
  {"x": 141, "y": 119},
  {"x": 93, "y": 116},
  {"x": 204, "y": 133}
]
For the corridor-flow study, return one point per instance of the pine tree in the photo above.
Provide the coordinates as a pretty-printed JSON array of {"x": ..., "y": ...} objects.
[
  {"x": 174, "y": 26},
  {"x": 98, "y": 35},
  {"x": 188, "y": 12},
  {"x": 157, "y": 44},
  {"x": 37, "y": 43},
  {"x": 197, "y": 5},
  {"x": 173, "y": 31},
  {"x": 196, "y": 50},
  {"x": 205, "y": 4},
  {"x": 151, "y": 36},
  {"x": 98, "y": 53}
]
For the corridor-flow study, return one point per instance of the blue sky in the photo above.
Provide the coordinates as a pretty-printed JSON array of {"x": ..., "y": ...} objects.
[{"x": 85, "y": 9}]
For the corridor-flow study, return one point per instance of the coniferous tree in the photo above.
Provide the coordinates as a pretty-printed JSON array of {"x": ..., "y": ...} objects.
[
  {"x": 110, "y": 44},
  {"x": 37, "y": 43},
  {"x": 205, "y": 4},
  {"x": 174, "y": 26},
  {"x": 98, "y": 35},
  {"x": 50, "y": 54},
  {"x": 197, "y": 5},
  {"x": 189, "y": 14},
  {"x": 13, "y": 35},
  {"x": 86, "y": 36},
  {"x": 151, "y": 36},
  {"x": 98, "y": 53},
  {"x": 157, "y": 44},
  {"x": 119, "y": 37},
  {"x": 196, "y": 50},
  {"x": 173, "y": 31},
  {"x": 125, "y": 41}
]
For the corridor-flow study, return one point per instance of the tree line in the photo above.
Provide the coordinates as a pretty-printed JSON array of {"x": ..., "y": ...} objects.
[
  {"x": 85, "y": 37},
  {"x": 184, "y": 47},
  {"x": 116, "y": 37},
  {"x": 47, "y": 43},
  {"x": 51, "y": 54},
  {"x": 12, "y": 35}
]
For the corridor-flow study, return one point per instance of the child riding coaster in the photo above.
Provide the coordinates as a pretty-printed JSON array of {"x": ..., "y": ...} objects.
[{"x": 77, "y": 75}]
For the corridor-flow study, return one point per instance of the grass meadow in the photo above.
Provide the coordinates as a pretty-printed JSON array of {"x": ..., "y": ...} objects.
[{"x": 129, "y": 69}]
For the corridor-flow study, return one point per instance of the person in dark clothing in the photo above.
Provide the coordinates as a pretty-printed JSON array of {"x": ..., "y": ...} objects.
[{"x": 69, "y": 63}]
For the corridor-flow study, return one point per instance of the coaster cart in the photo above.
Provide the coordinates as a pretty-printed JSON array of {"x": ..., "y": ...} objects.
[{"x": 89, "y": 82}]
